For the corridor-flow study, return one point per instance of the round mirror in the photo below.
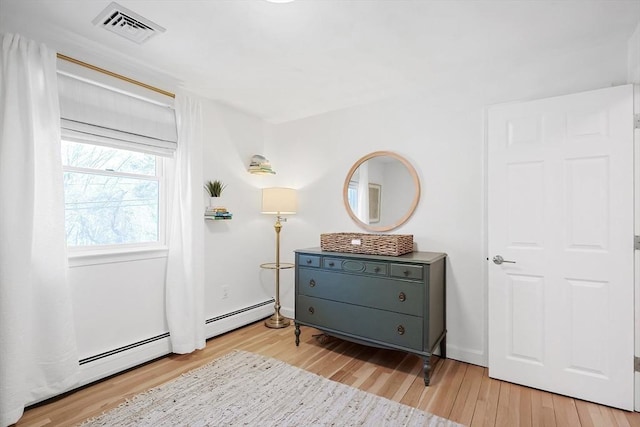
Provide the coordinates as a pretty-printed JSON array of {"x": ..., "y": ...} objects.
[{"x": 381, "y": 191}]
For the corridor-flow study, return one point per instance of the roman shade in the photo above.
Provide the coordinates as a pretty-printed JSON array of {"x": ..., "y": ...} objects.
[{"x": 99, "y": 114}]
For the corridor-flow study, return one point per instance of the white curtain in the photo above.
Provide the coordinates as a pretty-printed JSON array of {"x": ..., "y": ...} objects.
[
  {"x": 38, "y": 354},
  {"x": 185, "y": 263}
]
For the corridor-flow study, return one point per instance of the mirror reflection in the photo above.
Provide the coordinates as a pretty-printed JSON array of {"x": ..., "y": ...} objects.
[{"x": 381, "y": 191}]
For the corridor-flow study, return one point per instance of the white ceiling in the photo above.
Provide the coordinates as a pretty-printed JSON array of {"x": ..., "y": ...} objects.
[{"x": 281, "y": 62}]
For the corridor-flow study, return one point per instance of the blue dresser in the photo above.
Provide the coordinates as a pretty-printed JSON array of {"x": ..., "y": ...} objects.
[{"x": 383, "y": 301}]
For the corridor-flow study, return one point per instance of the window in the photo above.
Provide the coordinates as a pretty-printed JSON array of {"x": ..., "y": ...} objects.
[
  {"x": 115, "y": 137},
  {"x": 112, "y": 196}
]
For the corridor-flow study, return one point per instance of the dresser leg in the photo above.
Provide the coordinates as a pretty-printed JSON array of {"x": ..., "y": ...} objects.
[
  {"x": 443, "y": 347},
  {"x": 427, "y": 369},
  {"x": 297, "y": 334}
]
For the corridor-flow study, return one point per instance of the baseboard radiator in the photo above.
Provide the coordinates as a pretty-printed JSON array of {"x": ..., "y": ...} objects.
[{"x": 120, "y": 359}]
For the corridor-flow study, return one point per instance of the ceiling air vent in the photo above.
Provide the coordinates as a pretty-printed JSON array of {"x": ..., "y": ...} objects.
[{"x": 128, "y": 24}]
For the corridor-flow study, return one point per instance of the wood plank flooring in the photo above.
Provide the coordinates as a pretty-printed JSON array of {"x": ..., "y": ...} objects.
[{"x": 458, "y": 391}]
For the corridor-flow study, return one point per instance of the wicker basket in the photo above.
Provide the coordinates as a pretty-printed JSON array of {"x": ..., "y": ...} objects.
[{"x": 370, "y": 244}]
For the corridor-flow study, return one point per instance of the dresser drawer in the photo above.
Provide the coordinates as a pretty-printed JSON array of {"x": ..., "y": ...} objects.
[
  {"x": 355, "y": 266},
  {"x": 308, "y": 261},
  {"x": 406, "y": 271},
  {"x": 332, "y": 263},
  {"x": 377, "y": 292},
  {"x": 383, "y": 326},
  {"x": 376, "y": 268}
]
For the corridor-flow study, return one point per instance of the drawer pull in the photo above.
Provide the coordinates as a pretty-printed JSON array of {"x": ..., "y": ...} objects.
[
  {"x": 376, "y": 270},
  {"x": 331, "y": 264},
  {"x": 312, "y": 283},
  {"x": 406, "y": 273},
  {"x": 400, "y": 330},
  {"x": 402, "y": 297},
  {"x": 311, "y": 310},
  {"x": 308, "y": 260}
]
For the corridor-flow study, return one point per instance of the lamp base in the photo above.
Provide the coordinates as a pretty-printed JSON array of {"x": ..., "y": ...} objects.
[{"x": 277, "y": 321}]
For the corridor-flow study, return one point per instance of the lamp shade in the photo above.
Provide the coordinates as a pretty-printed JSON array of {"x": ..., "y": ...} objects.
[{"x": 279, "y": 201}]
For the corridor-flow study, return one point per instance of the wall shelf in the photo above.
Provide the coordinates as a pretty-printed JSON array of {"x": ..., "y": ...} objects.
[{"x": 260, "y": 166}]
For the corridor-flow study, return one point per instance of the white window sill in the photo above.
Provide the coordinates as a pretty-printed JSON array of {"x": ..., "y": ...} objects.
[{"x": 85, "y": 257}]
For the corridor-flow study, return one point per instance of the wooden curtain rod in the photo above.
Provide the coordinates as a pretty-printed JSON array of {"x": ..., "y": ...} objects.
[{"x": 116, "y": 75}]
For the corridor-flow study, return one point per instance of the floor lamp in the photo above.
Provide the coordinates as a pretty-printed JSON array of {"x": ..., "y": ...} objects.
[{"x": 278, "y": 201}]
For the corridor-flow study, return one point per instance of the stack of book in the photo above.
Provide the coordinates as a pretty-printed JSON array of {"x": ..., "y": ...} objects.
[
  {"x": 217, "y": 213},
  {"x": 260, "y": 165}
]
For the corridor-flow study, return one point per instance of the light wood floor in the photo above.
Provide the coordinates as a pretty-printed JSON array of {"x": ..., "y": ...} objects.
[{"x": 458, "y": 391}]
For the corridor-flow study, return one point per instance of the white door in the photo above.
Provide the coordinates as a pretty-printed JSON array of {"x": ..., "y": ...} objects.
[{"x": 560, "y": 186}]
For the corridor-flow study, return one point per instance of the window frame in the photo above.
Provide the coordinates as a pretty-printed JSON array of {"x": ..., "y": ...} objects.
[{"x": 120, "y": 252}]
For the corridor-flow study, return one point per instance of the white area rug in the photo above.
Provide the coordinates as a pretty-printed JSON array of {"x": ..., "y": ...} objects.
[{"x": 246, "y": 389}]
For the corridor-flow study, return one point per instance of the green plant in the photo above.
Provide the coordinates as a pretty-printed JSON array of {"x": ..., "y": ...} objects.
[{"x": 214, "y": 188}]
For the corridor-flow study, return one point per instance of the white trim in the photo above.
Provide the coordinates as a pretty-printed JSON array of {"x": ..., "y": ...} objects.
[
  {"x": 637, "y": 395},
  {"x": 97, "y": 252},
  {"x": 119, "y": 362},
  {"x": 238, "y": 320},
  {"x": 110, "y": 173},
  {"x": 636, "y": 178},
  {"x": 484, "y": 238},
  {"x": 633, "y": 76},
  {"x": 81, "y": 257},
  {"x": 102, "y": 368},
  {"x": 467, "y": 355},
  {"x": 289, "y": 313}
]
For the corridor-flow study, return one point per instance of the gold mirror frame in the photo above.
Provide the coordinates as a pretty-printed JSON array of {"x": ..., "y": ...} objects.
[{"x": 414, "y": 203}]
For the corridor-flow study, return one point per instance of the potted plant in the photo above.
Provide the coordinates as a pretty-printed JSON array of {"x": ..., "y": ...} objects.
[{"x": 215, "y": 188}]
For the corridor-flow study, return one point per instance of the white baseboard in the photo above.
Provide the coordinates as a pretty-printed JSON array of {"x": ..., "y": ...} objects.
[
  {"x": 289, "y": 313},
  {"x": 228, "y": 322},
  {"x": 110, "y": 365},
  {"x": 637, "y": 396},
  {"x": 475, "y": 357},
  {"x": 103, "y": 367},
  {"x": 118, "y": 360}
]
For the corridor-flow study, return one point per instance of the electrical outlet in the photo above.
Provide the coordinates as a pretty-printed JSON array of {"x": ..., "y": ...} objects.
[{"x": 225, "y": 292}]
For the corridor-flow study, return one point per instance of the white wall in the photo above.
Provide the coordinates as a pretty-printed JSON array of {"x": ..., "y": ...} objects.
[
  {"x": 117, "y": 303},
  {"x": 442, "y": 134},
  {"x": 236, "y": 248}
]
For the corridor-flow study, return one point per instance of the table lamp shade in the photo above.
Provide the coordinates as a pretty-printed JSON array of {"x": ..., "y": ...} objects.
[{"x": 279, "y": 201}]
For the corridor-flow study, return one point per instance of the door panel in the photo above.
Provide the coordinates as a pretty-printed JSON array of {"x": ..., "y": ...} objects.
[
  {"x": 560, "y": 205},
  {"x": 587, "y": 326},
  {"x": 587, "y": 195},
  {"x": 526, "y": 318},
  {"x": 525, "y": 204}
]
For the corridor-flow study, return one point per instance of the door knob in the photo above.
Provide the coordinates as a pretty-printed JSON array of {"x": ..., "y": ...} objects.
[{"x": 499, "y": 260}]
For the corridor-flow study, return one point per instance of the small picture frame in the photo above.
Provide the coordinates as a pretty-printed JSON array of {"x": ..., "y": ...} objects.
[{"x": 375, "y": 191}]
